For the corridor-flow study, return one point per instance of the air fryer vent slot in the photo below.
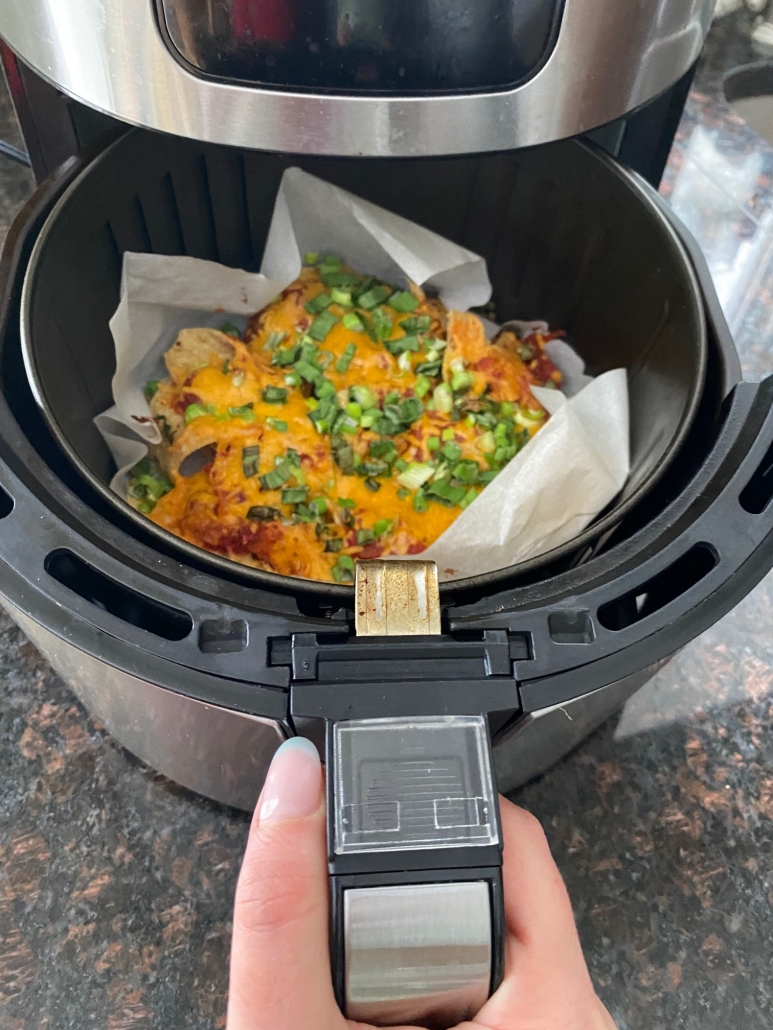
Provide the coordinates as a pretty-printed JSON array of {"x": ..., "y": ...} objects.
[
  {"x": 96, "y": 588},
  {"x": 659, "y": 591},
  {"x": 6, "y": 504},
  {"x": 758, "y": 492}
]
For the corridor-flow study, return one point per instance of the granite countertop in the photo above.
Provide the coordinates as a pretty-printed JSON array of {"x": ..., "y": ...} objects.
[{"x": 116, "y": 885}]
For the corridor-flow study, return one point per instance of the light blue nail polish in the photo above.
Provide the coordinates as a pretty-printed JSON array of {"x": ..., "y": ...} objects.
[{"x": 298, "y": 744}]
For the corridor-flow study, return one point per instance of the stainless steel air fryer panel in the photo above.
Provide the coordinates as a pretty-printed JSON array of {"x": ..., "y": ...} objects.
[{"x": 609, "y": 57}]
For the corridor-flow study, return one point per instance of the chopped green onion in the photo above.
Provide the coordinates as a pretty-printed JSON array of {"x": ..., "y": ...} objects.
[
  {"x": 346, "y": 562},
  {"x": 334, "y": 545},
  {"x": 311, "y": 257},
  {"x": 486, "y": 442},
  {"x": 292, "y": 379},
  {"x": 404, "y": 361},
  {"x": 447, "y": 434},
  {"x": 229, "y": 329},
  {"x": 370, "y": 417},
  {"x": 295, "y": 495},
  {"x": 238, "y": 379},
  {"x": 366, "y": 536},
  {"x": 528, "y": 419},
  {"x": 417, "y": 323},
  {"x": 422, "y": 386},
  {"x": 344, "y": 423},
  {"x": 415, "y": 475},
  {"x": 445, "y": 492},
  {"x": 420, "y": 501},
  {"x": 401, "y": 465},
  {"x": 351, "y": 320},
  {"x": 324, "y": 388},
  {"x": 382, "y": 526},
  {"x": 197, "y": 411},
  {"x": 342, "y": 297},
  {"x": 151, "y": 389},
  {"x": 382, "y": 448},
  {"x": 307, "y": 371},
  {"x": 343, "y": 455},
  {"x": 365, "y": 397},
  {"x": 403, "y": 301},
  {"x": 443, "y": 399},
  {"x": 433, "y": 444},
  {"x": 372, "y": 484},
  {"x": 273, "y": 341},
  {"x": 250, "y": 460},
  {"x": 402, "y": 493},
  {"x": 462, "y": 381},
  {"x": 405, "y": 343},
  {"x": 262, "y": 513},
  {"x": 382, "y": 324},
  {"x": 467, "y": 471},
  {"x": 322, "y": 325},
  {"x": 335, "y": 277},
  {"x": 288, "y": 356},
  {"x": 146, "y": 507},
  {"x": 525, "y": 352},
  {"x": 243, "y": 411},
  {"x": 318, "y": 303},
  {"x": 346, "y": 502},
  {"x": 274, "y": 395},
  {"x": 345, "y": 360},
  {"x": 277, "y": 476},
  {"x": 373, "y": 297},
  {"x": 452, "y": 451},
  {"x": 319, "y": 505},
  {"x": 468, "y": 498},
  {"x": 277, "y": 423},
  {"x": 428, "y": 368}
]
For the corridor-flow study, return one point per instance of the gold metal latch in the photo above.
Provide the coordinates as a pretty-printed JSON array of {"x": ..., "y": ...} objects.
[{"x": 396, "y": 598}]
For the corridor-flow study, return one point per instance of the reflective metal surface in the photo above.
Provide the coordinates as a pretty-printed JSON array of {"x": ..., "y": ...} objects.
[
  {"x": 417, "y": 952},
  {"x": 215, "y": 751},
  {"x": 609, "y": 58},
  {"x": 540, "y": 739}
]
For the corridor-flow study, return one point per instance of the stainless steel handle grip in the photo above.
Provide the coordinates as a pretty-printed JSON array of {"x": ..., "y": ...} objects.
[{"x": 417, "y": 952}]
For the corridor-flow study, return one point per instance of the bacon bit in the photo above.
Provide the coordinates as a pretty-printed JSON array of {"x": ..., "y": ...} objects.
[
  {"x": 142, "y": 419},
  {"x": 371, "y": 551},
  {"x": 542, "y": 368},
  {"x": 303, "y": 324},
  {"x": 416, "y": 548},
  {"x": 292, "y": 291}
]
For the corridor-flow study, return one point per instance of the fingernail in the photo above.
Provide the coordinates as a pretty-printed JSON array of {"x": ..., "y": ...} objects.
[{"x": 293, "y": 783}]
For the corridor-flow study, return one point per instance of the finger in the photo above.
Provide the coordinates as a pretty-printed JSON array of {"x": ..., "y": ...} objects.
[
  {"x": 280, "y": 966},
  {"x": 538, "y": 911},
  {"x": 546, "y": 978}
]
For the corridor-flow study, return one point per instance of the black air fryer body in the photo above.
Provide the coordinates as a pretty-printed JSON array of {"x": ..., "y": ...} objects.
[{"x": 142, "y": 626}]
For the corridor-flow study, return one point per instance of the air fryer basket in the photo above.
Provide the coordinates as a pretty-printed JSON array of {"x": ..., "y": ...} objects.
[{"x": 568, "y": 235}]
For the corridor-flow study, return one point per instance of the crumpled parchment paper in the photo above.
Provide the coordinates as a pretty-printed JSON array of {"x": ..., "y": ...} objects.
[{"x": 547, "y": 494}]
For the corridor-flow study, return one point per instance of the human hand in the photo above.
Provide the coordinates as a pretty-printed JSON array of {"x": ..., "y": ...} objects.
[{"x": 280, "y": 965}]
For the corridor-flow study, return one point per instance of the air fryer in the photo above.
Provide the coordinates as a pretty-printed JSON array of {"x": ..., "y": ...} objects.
[{"x": 201, "y": 666}]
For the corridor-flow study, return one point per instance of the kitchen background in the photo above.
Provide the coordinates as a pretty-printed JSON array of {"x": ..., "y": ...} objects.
[{"x": 116, "y": 885}]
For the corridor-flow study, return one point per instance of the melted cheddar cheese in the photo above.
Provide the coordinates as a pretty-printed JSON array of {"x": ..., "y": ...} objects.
[{"x": 352, "y": 420}]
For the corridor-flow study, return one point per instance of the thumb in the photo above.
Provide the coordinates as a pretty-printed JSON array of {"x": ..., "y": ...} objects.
[{"x": 280, "y": 965}]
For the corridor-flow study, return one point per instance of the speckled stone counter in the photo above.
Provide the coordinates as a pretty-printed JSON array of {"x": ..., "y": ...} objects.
[{"x": 116, "y": 885}]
